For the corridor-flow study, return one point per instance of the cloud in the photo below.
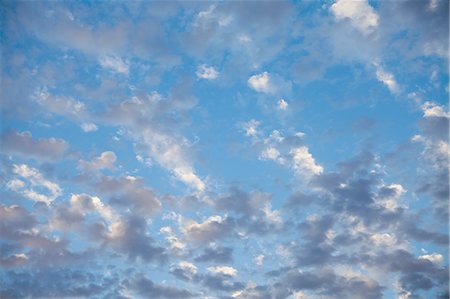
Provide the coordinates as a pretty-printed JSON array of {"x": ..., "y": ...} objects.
[
  {"x": 223, "y": 270},
  {"x": 184, "y": 270},
  {"x": 387, "y": 79},
  {"x": 214, "y": 227},
  {"x": 216, "y": 254},
  {"x": 147, "y": 288},
  {"x": 23, "y": 144},
  {"x": 206, "y": 72},
  {"x": 261, "y": 83},
  {"x": 251, "y": 127},
  {"x": 140, "y": 199},
  {"x": 106, "y": 160},
  {"x": 129, "y": 236},
  {"x": 304, "y": 163},
  {"x": 115, "y": 64},
  {"x": 361, "y": 15},
  {"x": 282, "y": 105},
  {"x": 67, "y": 107},
  {"x": 72, "y": 215},
  {"x": 36, "y": 181},
  {"x": 145, "y": 119}
]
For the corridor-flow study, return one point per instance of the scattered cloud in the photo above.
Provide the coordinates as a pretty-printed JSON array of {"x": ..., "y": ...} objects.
[
  {"x": 361, "y": 15},
  {"x": 206, "y": 72},
  {"x": 23, "y": 144},
  {"x": 115, "y": 64}
]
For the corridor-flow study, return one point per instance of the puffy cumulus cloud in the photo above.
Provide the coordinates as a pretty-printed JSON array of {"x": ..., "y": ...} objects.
[
  {"x": 261, "y": 83},
  {"x": 361, "y": 15},
  {"x": 213, "y": 228},
  {"x": 431, "y": 109},
  {"x": 269, "y": 84},
  {"x": 115, "y": 64},
  {"x": 66, "y": 106},
  {"x": 387, "y": 79},
  {"x": 206, "y": 72},
  {"x": 304, "y": 163},
  {"x": 106, "y": 160},
  {"x": 434, "y": 258},
  {"x": 36, "y": 181},
  {"x": 223, "y": 270},
  {"x": 23, "y": 144}
]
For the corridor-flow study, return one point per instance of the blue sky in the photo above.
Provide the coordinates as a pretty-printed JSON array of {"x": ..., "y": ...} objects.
[{"x": 224, "y": 149}]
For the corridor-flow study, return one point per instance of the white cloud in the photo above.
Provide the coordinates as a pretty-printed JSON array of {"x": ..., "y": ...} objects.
[
  {"x": 66, "y": 106},
  {"x": 383, "y": 239},
  {"x": 389, "y": 195},
  {"x": 170, "y": 154},
  {"x": 304, "y": 163},
  {"x": 213, "y": 227},
  {"x": 362, "y": 16},
  {"x": 36, "y": 180},
  {"x": 251, "y": 127},
  {"x": 270, "y": 153},
  {"x": 431, "y": 109},
  {"x": 115, "y": 64},
  {"x": 282, "y": 104},
  {"x": 106, "y": 160},
  {"x": 88, "y": 127},
  {"x": 387, "y": 79},
  {"x": 206, "y": 72},
  {"x": 189, "y": 267},
  {"x": 435, "y": 258},
  {"x": 224, "y": 270},
  {"x": 146, "y": 119},
  {"x": 84, "y": 203},
  {"x": 261, "y": 83}
]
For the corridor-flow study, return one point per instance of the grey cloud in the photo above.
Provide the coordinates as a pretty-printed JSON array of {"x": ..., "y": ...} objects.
[
  {"x": 326, "y": 282},
  {"x": 221, "y": 282},
  {"x": 130, "y": 238},
  {"x": 52, "y": 283},
  {"x": 216, "y": 254},
  {"x": 23, "y": 144},
  {"x": 213, "y": 228},
  {"x": 149, "y": 289},
  {"x": 142, "y": 201}
]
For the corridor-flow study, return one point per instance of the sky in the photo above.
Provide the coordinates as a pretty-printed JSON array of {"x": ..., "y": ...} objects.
[{"x": 224, "y": 149}]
